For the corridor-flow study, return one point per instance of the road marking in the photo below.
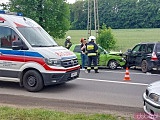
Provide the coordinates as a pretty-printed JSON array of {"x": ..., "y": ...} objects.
[
  {"x": 109, "y": 81},
  {"x": 131, "y": 72}
]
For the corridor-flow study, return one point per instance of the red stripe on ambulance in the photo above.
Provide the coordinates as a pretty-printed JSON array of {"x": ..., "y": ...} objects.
[
  {"x": 2, "y": 19},
  {"x": 37, "y": 60}
]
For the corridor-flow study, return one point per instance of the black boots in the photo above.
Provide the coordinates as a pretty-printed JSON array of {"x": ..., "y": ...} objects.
[
  {"x": 88, "y": 71},
  {"x": 96, "y": 71}
]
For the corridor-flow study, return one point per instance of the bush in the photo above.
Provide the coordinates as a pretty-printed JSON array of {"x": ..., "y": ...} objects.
[{"x": 106, "y": 38}]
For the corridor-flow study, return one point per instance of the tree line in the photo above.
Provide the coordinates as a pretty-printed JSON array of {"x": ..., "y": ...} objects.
[
  {"x": 57, "y": 16},
  {"x": 118, "y": 14},
  {"x": 52, "y": 15}
]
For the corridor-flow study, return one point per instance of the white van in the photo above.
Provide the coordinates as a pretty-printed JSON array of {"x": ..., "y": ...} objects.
[{"x": 29, "y": 55}]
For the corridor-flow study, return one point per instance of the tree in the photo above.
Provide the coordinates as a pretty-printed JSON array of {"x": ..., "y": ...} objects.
[
  {"x": 52, "y": 15},
  {"x": 106, "y": 38},
  {"x": 119, "y": 14},
  {"x": 79, "y": 11}
]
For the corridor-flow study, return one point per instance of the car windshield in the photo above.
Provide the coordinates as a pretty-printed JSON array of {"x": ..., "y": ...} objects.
[
  {"x": 100, "y": 49},
  {"x": 37, "y": 37}
]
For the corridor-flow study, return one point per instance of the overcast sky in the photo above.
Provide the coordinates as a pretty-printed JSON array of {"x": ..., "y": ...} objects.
[
  {"x": 4, "y": 1},
  {"x": 71, "y": 1}
]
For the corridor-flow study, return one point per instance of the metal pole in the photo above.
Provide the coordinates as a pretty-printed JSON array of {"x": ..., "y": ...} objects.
[
  {"x": 89, "y": 18},
  {"x": 96, "y": 17}
]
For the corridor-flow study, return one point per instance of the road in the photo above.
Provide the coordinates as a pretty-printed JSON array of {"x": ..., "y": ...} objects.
[{"x": 106, "y": 88}]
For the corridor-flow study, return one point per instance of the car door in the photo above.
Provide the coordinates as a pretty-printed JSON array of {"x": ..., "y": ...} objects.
[
  {"x": 134, "y": 57},
  {"x": 140, "y": 54},
  {"x": 77, "y": 51},
  {"x": 102, "y": 55}
]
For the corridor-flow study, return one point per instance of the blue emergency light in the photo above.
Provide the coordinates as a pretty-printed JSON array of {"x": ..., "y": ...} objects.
[
  {"x": 19, "y": 14},
  {"x": 11, "y": 13},
  {"x": 2, "y": 12}
]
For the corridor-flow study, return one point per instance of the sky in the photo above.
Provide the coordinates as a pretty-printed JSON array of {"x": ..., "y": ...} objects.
[
  {"x": 4, "y": 1},
  {"x": 71, "y": 1}
]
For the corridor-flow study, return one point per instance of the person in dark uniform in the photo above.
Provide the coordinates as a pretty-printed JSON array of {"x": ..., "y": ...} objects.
[
  {"x": 92, "y": 53},
  {"x": 68, "y": 43}
]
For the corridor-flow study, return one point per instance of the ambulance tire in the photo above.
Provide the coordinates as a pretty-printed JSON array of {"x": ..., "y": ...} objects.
[{"x": 32, "y": 81}]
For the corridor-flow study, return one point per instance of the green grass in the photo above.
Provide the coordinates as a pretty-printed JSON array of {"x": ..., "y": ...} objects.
[
  {"x": 126, "y": 38},
  {"x": 8, "y": 113}
]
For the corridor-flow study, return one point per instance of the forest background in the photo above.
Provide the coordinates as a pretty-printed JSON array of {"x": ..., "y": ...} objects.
[{"x": 131, "y": 21}]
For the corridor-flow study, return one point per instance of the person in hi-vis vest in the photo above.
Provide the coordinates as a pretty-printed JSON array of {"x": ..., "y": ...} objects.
[{"x": 92, "y": 53}]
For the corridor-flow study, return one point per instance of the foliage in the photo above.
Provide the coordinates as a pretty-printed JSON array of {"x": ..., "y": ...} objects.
[
  {"x": 106, "y": 38},
  {"x": 78, "y": 15},
  {"x": 52, "y": 15},
  {"x": 119, "y": 14}
]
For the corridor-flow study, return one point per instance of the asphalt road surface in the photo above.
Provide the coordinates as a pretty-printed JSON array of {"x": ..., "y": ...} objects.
[{"x": 105, "y": 92}]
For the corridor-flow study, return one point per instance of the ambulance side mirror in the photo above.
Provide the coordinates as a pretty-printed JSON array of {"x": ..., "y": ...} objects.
[{"x": 18, "y": 45}]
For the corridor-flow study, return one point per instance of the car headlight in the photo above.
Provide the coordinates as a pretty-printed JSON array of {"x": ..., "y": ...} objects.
[
  {"x": 123, "y": 59},
  {"x": 154, "y": 97},
  {"x": 53, "y": 62}
]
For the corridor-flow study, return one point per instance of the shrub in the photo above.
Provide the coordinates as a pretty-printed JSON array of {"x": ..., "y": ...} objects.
[{"x": 106, "y": 38}]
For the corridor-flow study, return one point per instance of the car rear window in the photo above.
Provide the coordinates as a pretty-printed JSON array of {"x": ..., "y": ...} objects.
[
  {"x": 158, "y": 48},
  {"x": 77, "y": 49},
  {"x": 150, "y": 48}
]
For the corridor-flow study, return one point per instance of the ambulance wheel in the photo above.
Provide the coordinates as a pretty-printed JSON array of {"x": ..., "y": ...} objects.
[{"x": 32, "y": 81}]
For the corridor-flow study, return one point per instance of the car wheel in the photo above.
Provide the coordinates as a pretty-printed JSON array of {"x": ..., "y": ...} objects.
[
  {"x": 112, "y": 64},
  {"x": 32, "y": 81},
  {"x": 144, "y": 66}
]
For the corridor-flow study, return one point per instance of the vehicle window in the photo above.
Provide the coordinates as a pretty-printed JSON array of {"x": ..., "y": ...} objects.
[
  {"x": 77, "y": 49},
  {"x": 158, "y": 48},
  {"x": 37, "y": 37},
  {"x": 101, "y": 50},
  {"x": 150, "y": 48},
  {"x": 142, "y": 48},
  {"x": 7, "y": 35},
  {"x": 136, "y": 48}
]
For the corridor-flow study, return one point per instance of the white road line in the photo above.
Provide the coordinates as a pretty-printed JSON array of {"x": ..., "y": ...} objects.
[
  {"x": 109, "y": 81},
  {"x": 131, "y": 73}
]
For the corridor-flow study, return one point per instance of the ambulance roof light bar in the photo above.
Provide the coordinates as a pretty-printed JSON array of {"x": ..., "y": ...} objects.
[{"x": 10, "y": 13}]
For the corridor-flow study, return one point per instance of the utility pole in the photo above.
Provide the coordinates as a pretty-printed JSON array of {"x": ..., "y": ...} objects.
[
  {"x": 96, "y": 17},
  {"x": 89, "y": 24}
]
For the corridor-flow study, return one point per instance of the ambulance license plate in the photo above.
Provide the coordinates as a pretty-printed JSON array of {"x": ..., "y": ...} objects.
[{"x": 73, "y": 74}]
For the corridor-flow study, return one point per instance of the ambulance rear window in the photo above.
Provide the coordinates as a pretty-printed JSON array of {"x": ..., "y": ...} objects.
[{"x": 37, "y": 37}]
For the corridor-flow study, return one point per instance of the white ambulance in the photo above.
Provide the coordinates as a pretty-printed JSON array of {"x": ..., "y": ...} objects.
[{"x": 29, "y": 55}]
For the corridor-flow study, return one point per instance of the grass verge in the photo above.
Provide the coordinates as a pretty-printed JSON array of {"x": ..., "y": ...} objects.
[
  {"x": 126, "y": 38},
  {"x": 9, "y": 113}
]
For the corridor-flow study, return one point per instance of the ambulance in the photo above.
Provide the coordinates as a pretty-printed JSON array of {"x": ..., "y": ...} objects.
[{"x": 30, "y": 56}]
